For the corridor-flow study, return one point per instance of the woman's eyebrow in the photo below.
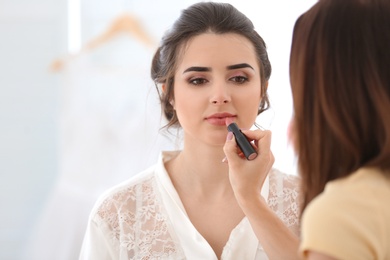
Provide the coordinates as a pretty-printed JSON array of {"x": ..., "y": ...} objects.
[
  {"x": 198, "y": 69},
  {"x": 239, "y": 66},
  {"x": 207, "y": 69}
]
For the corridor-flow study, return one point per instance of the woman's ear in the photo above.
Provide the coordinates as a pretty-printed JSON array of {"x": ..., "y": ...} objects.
[
  {"x": 266, "y": 85},
  {"x": 164, "y": 88}
]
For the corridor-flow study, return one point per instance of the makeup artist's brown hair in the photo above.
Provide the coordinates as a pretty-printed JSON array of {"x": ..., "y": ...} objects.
[
  {"x": 340, "y": 80},
  {"x": 201, "y": 18}
]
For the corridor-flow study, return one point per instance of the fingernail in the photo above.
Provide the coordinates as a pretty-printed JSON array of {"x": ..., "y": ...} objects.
[
  {"x": 224, "y": 159},
  {"x": 229, "y": 136}
]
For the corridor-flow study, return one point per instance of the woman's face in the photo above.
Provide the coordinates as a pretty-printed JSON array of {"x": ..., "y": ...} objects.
[{"x": 217, "y": 79}]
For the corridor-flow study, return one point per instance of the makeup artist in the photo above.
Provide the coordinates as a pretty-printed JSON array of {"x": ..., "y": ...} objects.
[
  {"x": 340, "y": 80},
  {"x": 206, "y": 201}
]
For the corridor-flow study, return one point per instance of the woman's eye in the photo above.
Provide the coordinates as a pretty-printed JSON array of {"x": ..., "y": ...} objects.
[
  {"x": 198, "y": 81},
  {"x": 239, "y": 79}
]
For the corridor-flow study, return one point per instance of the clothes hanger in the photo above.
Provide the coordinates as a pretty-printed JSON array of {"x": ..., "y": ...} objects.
[{"x": 125, "y": 23}]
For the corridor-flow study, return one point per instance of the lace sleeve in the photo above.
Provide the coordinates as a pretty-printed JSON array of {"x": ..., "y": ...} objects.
[
  {"x": 135, "y": 224},
  {"x": 284, "y": 198}
]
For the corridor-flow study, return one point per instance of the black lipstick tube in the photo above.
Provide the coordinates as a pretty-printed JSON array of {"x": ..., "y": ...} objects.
[{"x": 245, "y": 146}]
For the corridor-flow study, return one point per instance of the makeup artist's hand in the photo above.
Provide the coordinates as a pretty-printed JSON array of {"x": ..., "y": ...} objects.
[{"x": 247, "y": 177}]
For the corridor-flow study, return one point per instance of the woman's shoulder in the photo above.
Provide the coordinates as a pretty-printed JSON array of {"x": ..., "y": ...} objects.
[
  {"x": 283, "y": 187},
  {"x": 284, "y": 198},
  {"x": 125, "y": 193},
  {"x": 130, "y": 215},
  {"x": 281, "y": 180}
]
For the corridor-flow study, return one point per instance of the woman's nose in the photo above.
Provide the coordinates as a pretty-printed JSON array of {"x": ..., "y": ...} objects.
[{"x": 220, "y": 95}]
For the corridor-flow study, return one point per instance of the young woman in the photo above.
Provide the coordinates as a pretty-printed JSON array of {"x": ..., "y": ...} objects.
[
  {"x": 206, "y": 201},
  {"x": 340, "y": 81}
]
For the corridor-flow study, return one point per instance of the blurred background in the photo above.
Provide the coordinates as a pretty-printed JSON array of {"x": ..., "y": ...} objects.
[{"x": 78, "y": 112}]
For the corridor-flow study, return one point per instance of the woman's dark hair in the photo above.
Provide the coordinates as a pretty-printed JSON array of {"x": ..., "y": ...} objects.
[
  {"x": 340, "y": 80},
  {"x": 203, "y": 17}
]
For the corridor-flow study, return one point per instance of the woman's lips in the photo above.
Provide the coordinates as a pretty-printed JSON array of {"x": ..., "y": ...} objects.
[
  {"x": 229, "y": 120},
  {"x": 221, "y": 120}
]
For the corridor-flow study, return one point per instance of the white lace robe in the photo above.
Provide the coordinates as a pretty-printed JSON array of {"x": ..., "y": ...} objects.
[{"x": 143, "y": 218}]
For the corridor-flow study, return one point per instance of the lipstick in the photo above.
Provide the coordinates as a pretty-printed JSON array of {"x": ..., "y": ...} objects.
[{"x": 242, "y": 142}]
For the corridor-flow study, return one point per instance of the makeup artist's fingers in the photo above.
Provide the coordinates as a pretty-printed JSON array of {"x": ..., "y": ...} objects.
[
  {"x": 262, "y": 142},
  {"x": 262, "y": 139}
]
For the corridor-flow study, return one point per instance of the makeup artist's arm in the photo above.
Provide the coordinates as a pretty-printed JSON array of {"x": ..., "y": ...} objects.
[{"x": 247, "y": 178}]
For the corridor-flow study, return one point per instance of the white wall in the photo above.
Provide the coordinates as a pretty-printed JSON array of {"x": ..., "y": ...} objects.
[{"x": 34, "y": 32}]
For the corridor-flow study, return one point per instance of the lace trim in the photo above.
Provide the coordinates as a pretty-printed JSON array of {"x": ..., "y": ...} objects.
[{"x": 137, "y": 223}]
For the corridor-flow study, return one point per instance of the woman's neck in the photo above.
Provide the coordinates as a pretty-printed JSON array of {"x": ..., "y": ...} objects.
[{"x": 200, "y": 170}]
